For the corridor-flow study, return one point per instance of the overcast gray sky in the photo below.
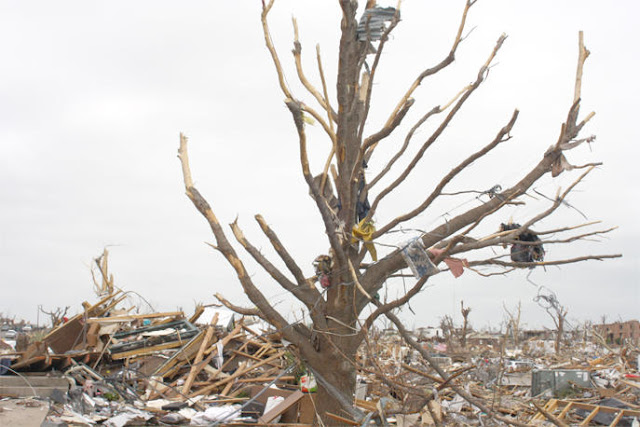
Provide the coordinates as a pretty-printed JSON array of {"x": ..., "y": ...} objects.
[{"x": 93, "y": 96}]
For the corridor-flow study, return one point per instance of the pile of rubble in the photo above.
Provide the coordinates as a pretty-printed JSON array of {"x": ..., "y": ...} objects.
[
  {"x": 107, "y": 366},
  {"x": 111, "y": 367},
  {"x": 587, "y": 384}
]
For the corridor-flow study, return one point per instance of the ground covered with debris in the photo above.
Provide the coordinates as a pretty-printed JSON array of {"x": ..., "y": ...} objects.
[{"x": 108, "y": 366}]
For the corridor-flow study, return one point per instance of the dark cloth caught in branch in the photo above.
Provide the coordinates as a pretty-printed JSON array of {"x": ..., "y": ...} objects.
[
  {"x": 362, "y": 204},
  {"x": 525, "y": 249}
]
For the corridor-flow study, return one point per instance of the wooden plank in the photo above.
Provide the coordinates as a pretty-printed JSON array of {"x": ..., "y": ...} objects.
[
  {"x": 539, "y": 416},
  {"x": 247, "y": 355},
  {"x": 227, "y": 389},
  {"x": 97, "y": 312},
  {"x": 587, "y": 406},
  {"x": 212, "y": 372},
  {"x": 28, "y": 363},
  {"x": 251, "y": 356},
  {"x": 197, "y": 365},
  {"x": 197, "y": 313},
  {"x": 566, "y": 410},
  {"x": 236, "y": 374},
  {"x": 369, "y": 406},
  {"x": 547, "y": 413},
  {"x": 131, "y": 317},
  {"x": 342, "y": 419},
  {"x": 146, "y": 350},
  {"x": 289, "y": 401},
  {"x": 171, "y": 366},
  {"x": 213, "y": 350},
  {"x": 631, "y": 383},
  {"x": 553, "y": 405},
  {"x": 617, "y": 419},
  {"x": 265, "y": 379},
  {"x": 232, "y": 335},
  {"x": 590, "y": 416},
  {"x": 252, "y": 332}
]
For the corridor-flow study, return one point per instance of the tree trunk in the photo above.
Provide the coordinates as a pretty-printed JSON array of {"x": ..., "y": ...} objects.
[
  {"x": 463, "y": 338},
  {"x": 342, "y": 375},
  {"x": 560, "y": 332},
  {"x": 465, "y": 315}
]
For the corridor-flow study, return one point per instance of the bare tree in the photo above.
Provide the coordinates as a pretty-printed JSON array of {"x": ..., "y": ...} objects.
[
  {"x": 513, "y": 322},
  {"x": 56, "y": 316},
  {"x": 587, "y": 326},
  {"x": 448, "y": 330},
  {"x": 556, "y": 311},
  {"x": 344, "y": 306},
  {"x": 465, "y": 324}
]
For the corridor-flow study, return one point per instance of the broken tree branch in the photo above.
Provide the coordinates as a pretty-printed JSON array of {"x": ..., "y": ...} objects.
[
  {"x": 504, "y": 132},
  {"x": 401, "y": 178},
  {"x": 225, "y": 248},
  {"x": 325, "y": 211},
  {"x": 297, "y": 56},
  {"x": 583, "y": 54},
  {"x": 236, "y": 308},
  {"x": 431, "y": 71},
  {"x": 376, "y": 274},
  {"x": 272, "y": 50},
  {"x": 494, "y": 261},
  {"x": 304, "y": 293},
  {"x": 325, "y": 92},
  {"x": 282, "y": 251}
]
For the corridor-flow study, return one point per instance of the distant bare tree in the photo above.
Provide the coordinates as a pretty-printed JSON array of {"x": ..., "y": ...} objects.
[
  {"x": 56, "y": 316},
  {"x": 6, "y": 319},
  {"x": 448, "y": 330},
  {"x": 556, "y": 311},
  {"x": 465, "y": 324},
  {"x": 587, "y": 327},
  {"x": 513, "y": 322}
]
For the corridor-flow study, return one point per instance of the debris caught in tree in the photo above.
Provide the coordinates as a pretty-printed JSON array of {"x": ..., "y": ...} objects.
[
  {"x": 364, "y": 231},
  {"x": 322, "y": 265},
  {"x": 525, "y": 249},
  {"x": 418, "y": 259},
  {"x": 372, "y": 23}
]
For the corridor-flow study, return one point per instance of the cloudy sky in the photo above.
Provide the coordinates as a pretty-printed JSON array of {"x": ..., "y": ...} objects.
[{"x": 93, "y": 96}]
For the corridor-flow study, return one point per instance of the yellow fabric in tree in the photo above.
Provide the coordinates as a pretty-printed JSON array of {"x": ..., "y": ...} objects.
[{"x": 364, "y": 231}]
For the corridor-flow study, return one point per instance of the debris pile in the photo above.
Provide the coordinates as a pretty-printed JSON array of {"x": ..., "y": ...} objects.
[
  {"x": 589, "y": 383},
  {"x": 109, "y": 366}
]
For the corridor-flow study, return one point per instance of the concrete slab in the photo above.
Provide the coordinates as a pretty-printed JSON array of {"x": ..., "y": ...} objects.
[
  {"x": 23, "y": 412},
  {"x": 29, "y": 386}
]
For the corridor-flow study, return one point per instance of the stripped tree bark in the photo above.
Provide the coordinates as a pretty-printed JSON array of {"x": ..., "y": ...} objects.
[{"x": 338, "y": 323}]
